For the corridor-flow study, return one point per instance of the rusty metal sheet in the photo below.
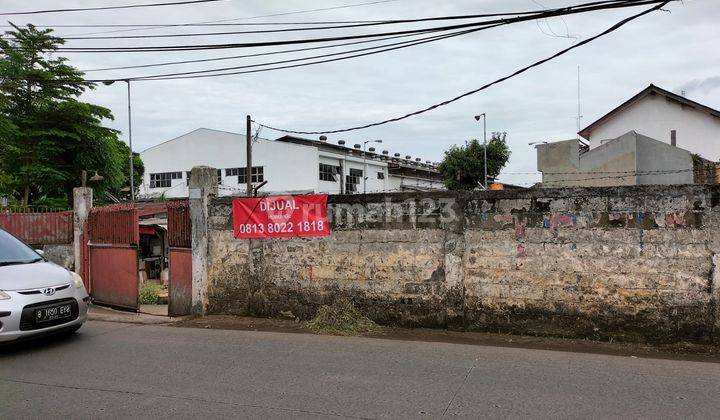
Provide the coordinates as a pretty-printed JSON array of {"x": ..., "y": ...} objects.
[
  {"x": 40, "y": 228},
  {"x": 179, "y": 228},
  {"x": 150, "y": 209},
  {"x": 114, "y": 275},
  {"x": 115, "y": 224},
  {"x": 180, "y": 283}
]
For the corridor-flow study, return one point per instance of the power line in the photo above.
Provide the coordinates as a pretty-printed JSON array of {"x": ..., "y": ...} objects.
[
  {"x": 543, "y": 14},
  {"x": 404, "y": 44},
  {"x": 256, "y": 44},
  {"x": 374, "y": 50},
  {"x": 262, "y": 31},
  {"x": 215, "y": 72},
  {"x": 129, "y": 6},
  {"x": 340, "y": 25},
  {"x": 629, "y": 174},
  {"x": 593, "y": 172},
  {"x": 502, "y": 79},
  {"x": 220, "y": 22},
  {"x": 232, "y": 57},
  {"x": 217, "y": 22}
]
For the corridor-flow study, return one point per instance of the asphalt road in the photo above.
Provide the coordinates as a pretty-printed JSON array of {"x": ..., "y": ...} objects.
[{"x": 113, "y": 370}]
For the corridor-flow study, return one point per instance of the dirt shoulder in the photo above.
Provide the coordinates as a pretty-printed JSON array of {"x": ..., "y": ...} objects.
[{"x": 677, "y": 351}]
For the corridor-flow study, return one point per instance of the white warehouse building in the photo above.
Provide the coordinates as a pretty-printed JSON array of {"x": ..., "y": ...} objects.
[{"x": 288, "y": 165}]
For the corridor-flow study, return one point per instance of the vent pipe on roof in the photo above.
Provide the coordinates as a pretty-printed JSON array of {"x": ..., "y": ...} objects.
[
  {"x": 357, "y": 146},
  {"x": 385, "y": 152},
  {"x": 397, "y": 155},
  {"x": 408, "y": 157},
  {"x": 372, "y": 149},
  {"x": 341, "y": 142},
  {"x": 323, "y": 138}
]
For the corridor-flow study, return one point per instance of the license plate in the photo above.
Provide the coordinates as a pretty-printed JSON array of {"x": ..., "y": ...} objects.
[{"x": 52, "y": 313}]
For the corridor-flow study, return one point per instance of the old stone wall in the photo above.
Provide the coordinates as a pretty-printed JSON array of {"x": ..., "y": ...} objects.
[
  {"x": 62, "y": 255},
  {"x": 636, "y": 263}
]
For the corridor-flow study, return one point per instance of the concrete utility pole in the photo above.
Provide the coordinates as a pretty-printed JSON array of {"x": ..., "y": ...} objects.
[
  {"x": 248, "y": 151},
  {"x": 477, "y": 118}
]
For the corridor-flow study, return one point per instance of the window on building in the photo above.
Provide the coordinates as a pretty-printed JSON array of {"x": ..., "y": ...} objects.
[
  {"x": 257, "y": 176},
  {"x": 381, "y": 175},
  {"x": 187, "y": 182},
  {"x": 163, "y": 179},
  {"x": 353, "y": 180},
  {"x": 328, "y": 172}
]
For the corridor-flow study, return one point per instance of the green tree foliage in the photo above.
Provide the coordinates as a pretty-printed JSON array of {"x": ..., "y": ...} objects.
[
  {"x": 463, "y": 166},
  {"x": 47, "y": 135}
]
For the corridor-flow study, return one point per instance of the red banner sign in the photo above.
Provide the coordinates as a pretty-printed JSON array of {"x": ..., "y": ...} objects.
[{"x": 282, "y": 216}]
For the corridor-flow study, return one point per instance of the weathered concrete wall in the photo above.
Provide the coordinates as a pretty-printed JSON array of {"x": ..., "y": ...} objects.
[
  {"x": 637, "y": 263},
  {"x": 631, "y": 159},
  {"x": 62, "y": 255}
]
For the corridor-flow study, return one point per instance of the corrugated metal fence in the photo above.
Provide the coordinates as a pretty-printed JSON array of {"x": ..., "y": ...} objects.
[
  {"x": 114, "y": 224},
  {"x": 178, "y": 216},
  {"x": 39, "y": 228}
]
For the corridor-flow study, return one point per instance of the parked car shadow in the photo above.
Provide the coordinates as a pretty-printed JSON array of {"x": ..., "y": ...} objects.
[{"x": 41, "y": 343}]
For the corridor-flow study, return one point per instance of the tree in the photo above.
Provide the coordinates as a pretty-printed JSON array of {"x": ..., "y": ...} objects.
[
  {"x": 463, "y": 166},
  {"x": 47, "y": 135}
]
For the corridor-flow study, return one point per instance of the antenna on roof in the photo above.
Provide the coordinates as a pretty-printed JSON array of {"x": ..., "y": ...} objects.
[{"x": 579, "y": 114}]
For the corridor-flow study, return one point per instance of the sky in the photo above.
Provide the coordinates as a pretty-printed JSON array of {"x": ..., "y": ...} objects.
[{"x": 675, "y": 49}]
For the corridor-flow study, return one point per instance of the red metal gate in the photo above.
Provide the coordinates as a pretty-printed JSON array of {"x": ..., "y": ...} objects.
[
  {"x": 180, "y": 258},
  {"x": 113, "y": 255}
]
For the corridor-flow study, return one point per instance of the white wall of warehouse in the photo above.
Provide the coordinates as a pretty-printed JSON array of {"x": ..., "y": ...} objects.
[{"x": 287, "y": 167}]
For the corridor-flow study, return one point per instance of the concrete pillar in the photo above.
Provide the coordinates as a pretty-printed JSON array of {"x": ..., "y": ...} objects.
[
  {"x": 203, "y": 187},
  {"x": 453, "y": 222},
  {"x": 715, "y": 297},
  {"x": 82, "y": 203}
]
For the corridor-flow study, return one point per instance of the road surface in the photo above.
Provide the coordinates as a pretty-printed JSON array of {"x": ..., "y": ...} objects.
[{"x": 114, "y": 370}]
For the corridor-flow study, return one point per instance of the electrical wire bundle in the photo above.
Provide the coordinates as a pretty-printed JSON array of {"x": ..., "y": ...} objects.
[{"x": 380, "y": 42}]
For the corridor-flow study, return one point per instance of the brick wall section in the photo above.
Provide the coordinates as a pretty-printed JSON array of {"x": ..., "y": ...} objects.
[{"x": 635, "y": 263}]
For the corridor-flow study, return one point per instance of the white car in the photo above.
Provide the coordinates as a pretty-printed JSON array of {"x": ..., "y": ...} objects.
[{"x": 37, "y": 297}]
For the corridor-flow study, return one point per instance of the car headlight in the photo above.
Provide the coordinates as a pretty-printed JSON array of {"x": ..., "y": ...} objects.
[
  {"x": 77, "y": 280},
  {"x": 4, "y": 296}
]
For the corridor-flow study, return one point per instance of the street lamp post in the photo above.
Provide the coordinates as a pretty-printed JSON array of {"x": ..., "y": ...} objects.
[
  {"x": 477, "y": 118},
  {"x": 132, "y": 169},
  {"x": 365, "y": 172}
]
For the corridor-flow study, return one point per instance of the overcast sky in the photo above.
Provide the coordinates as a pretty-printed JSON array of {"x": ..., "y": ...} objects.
[{"x": 675, "y": 50}]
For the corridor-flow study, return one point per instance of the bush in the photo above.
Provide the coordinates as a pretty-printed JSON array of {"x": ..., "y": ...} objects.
[
  {"x": 149, "y": 293},
  {"x": 340, "y": 318}
]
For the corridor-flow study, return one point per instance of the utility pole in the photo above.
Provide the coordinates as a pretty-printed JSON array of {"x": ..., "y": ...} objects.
[
  {"x": 365, "y": 167},
  {"x": 132, "y": 169},
  {"x": 248, "y": 152},
  {"x": 477, "y": 118}
]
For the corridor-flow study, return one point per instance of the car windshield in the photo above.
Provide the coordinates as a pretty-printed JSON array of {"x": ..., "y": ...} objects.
[{"x": 14, "y": 251}]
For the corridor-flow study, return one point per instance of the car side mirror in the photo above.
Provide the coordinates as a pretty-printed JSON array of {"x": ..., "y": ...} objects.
[{"x": 40, "y": 251}]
